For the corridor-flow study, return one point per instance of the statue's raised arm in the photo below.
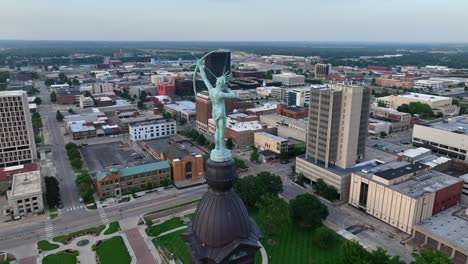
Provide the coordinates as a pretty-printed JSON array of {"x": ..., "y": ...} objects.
[{"x": 201, "y": 66}]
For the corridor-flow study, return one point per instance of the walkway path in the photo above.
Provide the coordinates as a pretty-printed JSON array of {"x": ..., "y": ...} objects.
[
  {"x": 139, "y": 246},
  {"x": 263, "y": 253},
  {"x": 30, "y": 260},
  {"x": 172, "y": 231}
]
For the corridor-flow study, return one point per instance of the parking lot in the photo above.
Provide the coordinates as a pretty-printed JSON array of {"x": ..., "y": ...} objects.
[{"x": 102, "y": 156}]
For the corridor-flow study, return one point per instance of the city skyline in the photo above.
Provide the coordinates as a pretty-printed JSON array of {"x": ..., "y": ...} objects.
[{"x": 360, "y": 20}]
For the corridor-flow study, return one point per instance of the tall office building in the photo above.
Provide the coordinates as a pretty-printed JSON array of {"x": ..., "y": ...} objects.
[
  {"x": 217, "y": 64},
  {"x": 17, "y": 144},
  {"x": 338, "y": 120},
  {"x": 322, "y": 70},
  {"x": 204, "y": 108}
]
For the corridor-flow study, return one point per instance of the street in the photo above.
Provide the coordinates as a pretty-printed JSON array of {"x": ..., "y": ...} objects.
[{"x": 51, "y": 130}]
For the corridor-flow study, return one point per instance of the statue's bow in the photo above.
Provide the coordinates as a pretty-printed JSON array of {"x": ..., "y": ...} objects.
[{"x": 196, "y": 69}]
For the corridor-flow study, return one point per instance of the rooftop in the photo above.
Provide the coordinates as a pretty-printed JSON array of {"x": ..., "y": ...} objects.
[
  {"x": 366, "y": 165},
  {"x": 424, "y": 97},
  {"x": 140, "y": 119},
  {"x": 457, "y": 125},
  {"x": 80, "y": 127},
  {"x": 128, "y": 171},
  {"x": 8, "y": 172},
  {"x": 450, "y": 225},
  {"x": 26, "y": 183},
  {"x": 271, "y": 136},
  {"x": 11, "y": 93},
  {"x": 182, "y": 106}
]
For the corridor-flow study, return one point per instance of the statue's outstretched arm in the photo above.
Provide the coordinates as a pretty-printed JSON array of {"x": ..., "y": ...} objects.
[
  {"x": 201, "y": 66},
  {"x": 231, "y": 94}
]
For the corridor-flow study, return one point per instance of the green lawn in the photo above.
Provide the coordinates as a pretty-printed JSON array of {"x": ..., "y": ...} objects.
[
  {"x": 174, "y": 207},
  {"x": 296, "y": 245},
  {"x": 174, "y": 244},
  {"x": 59, "y": 258},
  {"x": 93, "y": 230},
  {"x": 45, "y": 245},
  {"x": 113, "y": 251},
  {"x": 113, "y": 227},
  {"x": 155, "y": 230}
]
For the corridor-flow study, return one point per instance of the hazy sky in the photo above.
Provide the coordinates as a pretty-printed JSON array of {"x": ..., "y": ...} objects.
[{"x": 262, "y": 20}]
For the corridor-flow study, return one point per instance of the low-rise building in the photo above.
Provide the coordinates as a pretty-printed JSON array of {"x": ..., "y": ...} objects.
[
  {"x": 390, "y": 81},
  {"x": 81, "y": 130},
  {"x": 430, "y": 84},
  {"x": 182, "y": 109},
  {"x": 287, "y": 127},
  {"x": 403, "y": 194},
  {"x": 377, "y": 127},
  {"x": 464, "y": 198},
  {"x": 289, "y": 79},
  {"x": 439, "y": 104},
  {"x": 448, "y": 138},
  {"x": 266, "y": 109},
  {"x": 98, "y": 88},
  {"x": 299, "y": 96},
  {"x": 266, "y": 141},
  {"x": 293, "y": 111},
  {"x": 68, "y": 96},
  {"x": 86, "y": 102},
  {"x": 186, "y": 160},
  {"x": 26, "y": 194},
  {"x": 7, "y": 173},
  {"x": 399, "y": 120},
  {"x": 446, "y": 232},
  {"x": 153, "y": 129},
  {"x": 118, "y": 181},
  {"x": 241, "y": 129}
]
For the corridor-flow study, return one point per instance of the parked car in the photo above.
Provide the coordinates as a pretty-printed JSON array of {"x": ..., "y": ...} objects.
[
  {"x": 60, "y": 205},
  {"x": 81, "y": 200}
]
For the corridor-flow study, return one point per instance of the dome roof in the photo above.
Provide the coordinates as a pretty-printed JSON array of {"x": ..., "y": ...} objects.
[{"x": 221, "y": 218}]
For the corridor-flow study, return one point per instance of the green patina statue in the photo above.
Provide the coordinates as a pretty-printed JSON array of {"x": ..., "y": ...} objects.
[{"x": 217, "y": 96}]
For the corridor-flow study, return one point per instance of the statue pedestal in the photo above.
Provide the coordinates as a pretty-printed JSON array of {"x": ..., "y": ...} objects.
[
  {"x": 221, "y": 155},
  {"x": 222, "y": 230}
]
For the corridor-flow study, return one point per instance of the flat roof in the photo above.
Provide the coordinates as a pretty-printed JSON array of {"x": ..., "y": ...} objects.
[
  {"x": 164, "y": 164},
  {"x": 366, "y": 165},
  {"x": 415, "y": 152},
  {"x": 139, "y": 119},
  {"x": 450, "y": 225},
  {"x": 26, "y": 183},
  {"x": 424, "y": 97},
  {"x": 80, "y": 127},
  {"x": 12, "y": 93},
  {"x": 457, "y": 125},
  {"x": 425, "y": 183},
  {"x": 271, "y": 136}
]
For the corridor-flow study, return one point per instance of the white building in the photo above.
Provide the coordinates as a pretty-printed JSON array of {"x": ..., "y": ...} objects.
[
  {"x": 376, "y": 127},
  {"x": 26, "y": 193},
  {"x": 430, "y": 84},
  {"x": 299, "y": 96},
  {"x": 55, "y": 87},
  {"x": 448, "y": 138},
  {"x": 152, "y": 129},
  {"x": 102, "y": 88},
  {"x": 289, "y": 79},
  {"x": 182, "y": 109},
  {"x": 86, "y": 102}
]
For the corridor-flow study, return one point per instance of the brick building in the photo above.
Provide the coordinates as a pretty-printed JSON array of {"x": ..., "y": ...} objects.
[
  {"x": 116, "y": 182},
  {"x": 295, "y": 112}
]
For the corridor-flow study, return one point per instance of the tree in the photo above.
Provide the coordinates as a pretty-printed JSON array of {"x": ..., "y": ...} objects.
[
  {"x": 430, "y": 257},
  {"x": 254, "y": 155},
  {"x": 325, "y": 190},
  {"x": 201, "y": 140},
  {"x": 38, "y": 100},
  {"x": 374, "y": 81},
  {"x": 85, "y": 186},
  {"x": 251, "y": 188},
  {"x": 270, "y": 182},
  {"x": 49, "y": 82},
  {"x": 383, "y": 134},
  {"x": 240, "y": 164},
  {"x": 229, "y": 143},
  {"x": 381, "y": 256},
  {"x": 381, "y": 104},
  {"x": 76, "y": 163},
  {"x": 36, "y": 121},
  {"x": 352, "y": 252},
  {"x": 140, "y": 105},
  {"x": 59, "y": 116},
  {"x": 403, "y": 108},
  {"x": 70, "y": 110},
  {"x": 324, "y": 237},
  {"x": 415, "y": 108},
  {"x": 271, "y": 210},
  {"x": 307, "y": 210},
  {"x": 53, "y": 97},
  {"x": 165, "y": 182},
  {"x": 63, "y": 78},
  {"x": 300, "y": 179},
  {"x": 52, "y": 191}
]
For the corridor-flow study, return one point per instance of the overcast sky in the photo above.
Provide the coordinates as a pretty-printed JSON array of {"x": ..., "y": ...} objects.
[{"x": 236, "y": 20}]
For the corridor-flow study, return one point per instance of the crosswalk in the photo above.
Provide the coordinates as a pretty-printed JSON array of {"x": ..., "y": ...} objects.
[
  {"x": 74, "y": 208},
  {"x": 103, "y": 216},
  {"x": 49, "y": 230}
]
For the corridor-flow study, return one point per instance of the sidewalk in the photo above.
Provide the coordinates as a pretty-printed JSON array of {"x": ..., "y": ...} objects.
[{"x": 139, "y": 246}]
